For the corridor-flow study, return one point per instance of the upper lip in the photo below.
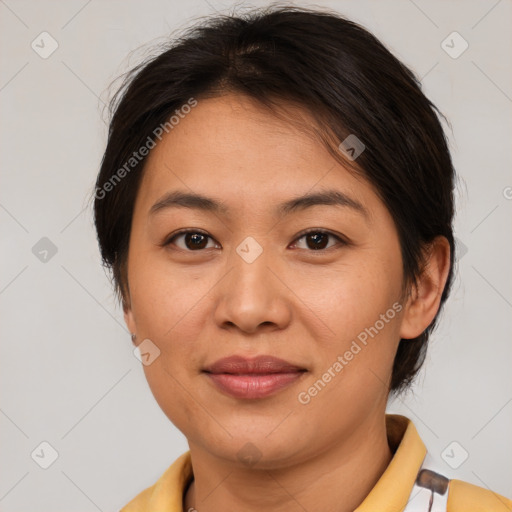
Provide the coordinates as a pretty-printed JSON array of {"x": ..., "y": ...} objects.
[{"x": 256, "y": 365}]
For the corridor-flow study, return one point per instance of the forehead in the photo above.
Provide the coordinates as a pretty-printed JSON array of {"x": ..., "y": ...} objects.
[{"x": 235, "y": 147}]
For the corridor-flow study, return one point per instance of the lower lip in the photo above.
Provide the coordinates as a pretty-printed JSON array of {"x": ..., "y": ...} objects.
[{"x": 253, "y": 386}]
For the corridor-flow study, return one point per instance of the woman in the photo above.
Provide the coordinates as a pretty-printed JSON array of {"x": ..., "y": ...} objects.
[{"x": 275, "y": 202}]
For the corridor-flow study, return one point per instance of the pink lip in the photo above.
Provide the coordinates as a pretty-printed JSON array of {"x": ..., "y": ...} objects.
[{"x": 257, "y": 377}]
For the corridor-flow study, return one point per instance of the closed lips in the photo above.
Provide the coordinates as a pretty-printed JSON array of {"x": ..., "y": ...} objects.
[{"x": 261, "y": 365}]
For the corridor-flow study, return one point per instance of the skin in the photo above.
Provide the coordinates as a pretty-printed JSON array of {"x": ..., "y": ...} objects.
[{"x": 303, "y": 305}]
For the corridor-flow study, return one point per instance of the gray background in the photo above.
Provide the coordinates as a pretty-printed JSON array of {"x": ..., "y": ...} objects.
[{"x": 68, "y": 374}]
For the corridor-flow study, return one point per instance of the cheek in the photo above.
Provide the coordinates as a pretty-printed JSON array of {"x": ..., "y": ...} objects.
[
  {"x": 166, "y": 307},
  {"x": 168, "y": 387},
  {"x": 166, "y": 302},
  {"x": 356, "y": 297},
  {"x": 361, "y": 307}
]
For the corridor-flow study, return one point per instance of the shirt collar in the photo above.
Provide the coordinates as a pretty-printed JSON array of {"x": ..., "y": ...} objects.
[{"x": 390, "y": 493}]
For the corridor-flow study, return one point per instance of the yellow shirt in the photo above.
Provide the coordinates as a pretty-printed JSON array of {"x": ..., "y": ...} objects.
[{"x": 392, "y": 492}]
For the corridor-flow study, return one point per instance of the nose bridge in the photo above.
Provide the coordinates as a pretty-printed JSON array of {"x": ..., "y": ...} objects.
[
  {"x": 250, "y": 274},
  {"x": 251, "y": 295}
]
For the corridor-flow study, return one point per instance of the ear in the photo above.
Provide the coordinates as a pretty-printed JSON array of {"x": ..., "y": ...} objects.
[{"x": 425, "y": 297}]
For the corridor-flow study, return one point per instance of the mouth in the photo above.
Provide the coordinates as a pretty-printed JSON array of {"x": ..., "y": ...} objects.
[{"x": 253, "y": 378}]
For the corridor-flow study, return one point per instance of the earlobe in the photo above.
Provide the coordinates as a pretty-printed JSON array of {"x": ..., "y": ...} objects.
[
  {"x": 129, "y": 320},
  {"x": 424, "y": 300}
]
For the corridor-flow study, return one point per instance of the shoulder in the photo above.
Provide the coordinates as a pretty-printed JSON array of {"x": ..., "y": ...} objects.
[
  {"x": 466, "y": 497},
  {"x": 167, "y": 493},
  {"x": 140, "y": 502}
]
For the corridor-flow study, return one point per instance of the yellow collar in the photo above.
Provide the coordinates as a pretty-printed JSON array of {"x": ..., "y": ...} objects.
[
  {"x": 393, "y": 489},
  {"x": 390, "y": 493}
]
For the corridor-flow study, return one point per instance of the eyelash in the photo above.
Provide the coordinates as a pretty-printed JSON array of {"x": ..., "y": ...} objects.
[{"x": 341, "y": 241}]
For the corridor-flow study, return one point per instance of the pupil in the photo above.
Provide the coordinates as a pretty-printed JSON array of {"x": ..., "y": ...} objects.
[
  {"x": 317, "y": 237},
  {"x": 198, "y": 240}
]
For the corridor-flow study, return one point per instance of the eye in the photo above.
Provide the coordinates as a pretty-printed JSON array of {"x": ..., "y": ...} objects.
[
  {"x": 317, "y": 240},
  {"x": 192, "y": 240}
]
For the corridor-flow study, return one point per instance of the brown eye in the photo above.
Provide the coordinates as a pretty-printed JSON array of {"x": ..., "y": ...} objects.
[
  {"x": 190, "y": 240},
  {"x": 318, "y": 240}
]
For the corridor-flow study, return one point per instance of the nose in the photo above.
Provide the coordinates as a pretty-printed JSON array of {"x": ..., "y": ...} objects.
[{"x": 252, "y": 296}]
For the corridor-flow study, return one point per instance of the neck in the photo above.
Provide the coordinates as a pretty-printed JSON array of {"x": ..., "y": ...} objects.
[{"x": 337, "y": 480}]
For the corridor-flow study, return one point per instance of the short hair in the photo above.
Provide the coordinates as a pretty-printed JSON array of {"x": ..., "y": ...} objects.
[{"x": 333, "y": 69}]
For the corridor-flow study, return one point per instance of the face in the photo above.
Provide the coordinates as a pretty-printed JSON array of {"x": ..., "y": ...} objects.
[{"x": 314, "y": 283}]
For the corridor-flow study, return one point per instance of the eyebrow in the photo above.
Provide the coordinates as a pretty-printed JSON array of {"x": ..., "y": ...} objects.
[{"x": 181, "y": 199}]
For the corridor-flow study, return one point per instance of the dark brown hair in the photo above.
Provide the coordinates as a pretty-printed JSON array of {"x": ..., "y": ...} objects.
[{"x": 333, "y": 69}]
